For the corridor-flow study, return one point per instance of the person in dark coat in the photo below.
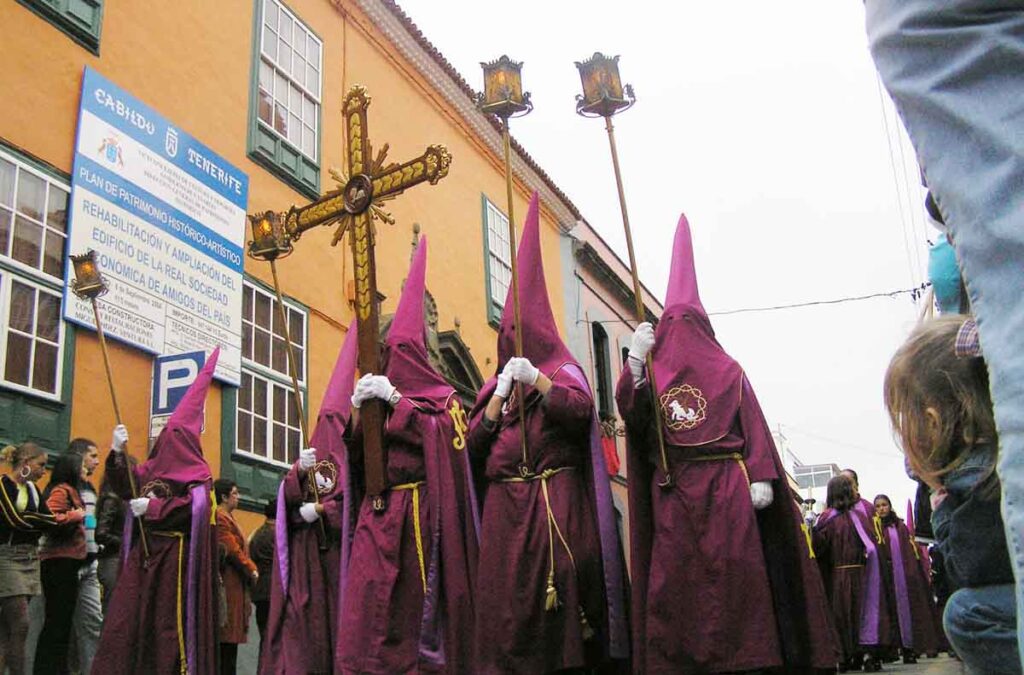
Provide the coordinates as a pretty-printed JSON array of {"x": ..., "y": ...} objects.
[{"x": 261, "y": 552}]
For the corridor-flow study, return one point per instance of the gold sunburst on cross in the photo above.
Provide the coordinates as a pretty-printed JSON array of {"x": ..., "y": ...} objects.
[{"x": 353, "y": 206}]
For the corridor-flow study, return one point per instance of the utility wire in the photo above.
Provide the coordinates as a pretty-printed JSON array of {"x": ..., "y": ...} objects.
[
  {"x": 895, "y": 181},
  {"x": 915, "y": 293}
]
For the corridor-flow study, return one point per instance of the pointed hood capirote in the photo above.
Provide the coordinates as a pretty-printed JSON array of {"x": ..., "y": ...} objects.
[
  {"x": 541, "y": 341},
  {"x": 338, "y": 396},
  {"x": 699, "y": 385},
  {"x": 177, "y": 454},
  {"x": 405, "y": 358}
]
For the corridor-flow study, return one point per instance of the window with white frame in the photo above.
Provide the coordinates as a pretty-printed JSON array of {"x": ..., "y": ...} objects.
[
  {"x": 33, "y": 234},
  {"x": 289, "y": 78},
  {"x": 499, "y": 259},
  {"x": 267, "y": 424}
]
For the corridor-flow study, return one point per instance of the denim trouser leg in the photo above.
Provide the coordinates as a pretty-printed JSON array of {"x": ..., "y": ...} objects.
[
  {"x": 955, "y": 69},
  {"x": 88, "y": 618},
  {"x": 981, "y": 625}
]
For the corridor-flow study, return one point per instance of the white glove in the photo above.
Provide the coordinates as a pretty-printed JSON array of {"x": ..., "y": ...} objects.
[
  {"x": 307, "y": 458},
  {"x": 521, "y": 370},
  {"x": 120, "y": 438},
  {"x": 308, "y": 512},
  {"x": 139, "y": 506},
  {"x": 761, "y": 494},
  {"x": 374, "y": 386},
  {"x": 642, "y": 342},
  {"x": 504, "y": 386}
]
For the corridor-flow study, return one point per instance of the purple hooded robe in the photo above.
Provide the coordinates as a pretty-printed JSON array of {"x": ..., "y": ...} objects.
[
  {"x": 911, "y": 605},
  {"x": 515, "y": 631},
  {"x": 717, "y": 586},
  {"x": 408, "y": 603},
  {"x": 163, "y": 611},
  {"x": 307, "y": 585}
]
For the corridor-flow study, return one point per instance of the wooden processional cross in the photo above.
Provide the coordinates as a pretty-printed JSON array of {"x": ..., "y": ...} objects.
[{"x": 354, "y": 206}]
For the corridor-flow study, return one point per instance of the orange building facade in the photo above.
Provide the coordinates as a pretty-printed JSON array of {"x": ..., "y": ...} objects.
[{"x": 261, "y": 83}]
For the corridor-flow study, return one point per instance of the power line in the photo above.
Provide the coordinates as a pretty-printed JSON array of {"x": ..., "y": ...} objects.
[
  {"x": 895, "y": 181},
  {"x": 835, "y": 441},
  {"x": 915, "y": 293}
]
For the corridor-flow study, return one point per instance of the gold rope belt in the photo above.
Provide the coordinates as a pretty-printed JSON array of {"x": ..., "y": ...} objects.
[
  {"x": 728, "y": 456},
  {"x": 415, "y": 488},
  {"x": 551, "y": 602},
  {"x": 180, "y": 536},
  {"x": 848, "y": 567}
]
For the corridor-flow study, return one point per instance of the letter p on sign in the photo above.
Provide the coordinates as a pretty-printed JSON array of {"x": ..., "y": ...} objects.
[{"x": 172, "y": 376}]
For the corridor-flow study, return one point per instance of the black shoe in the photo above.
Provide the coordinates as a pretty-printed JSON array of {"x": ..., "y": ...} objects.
[
  {"x": 872, "y": 665},
  {"x": 909, "y": 658}
]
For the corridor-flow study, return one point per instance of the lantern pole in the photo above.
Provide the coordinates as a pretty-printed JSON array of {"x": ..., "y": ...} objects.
[
  {"x": 270, "y": 242},
  {"x": 503, "y": 96},
  {"x": 89, "y": 285},
  {"x": 604, "y": 96}
]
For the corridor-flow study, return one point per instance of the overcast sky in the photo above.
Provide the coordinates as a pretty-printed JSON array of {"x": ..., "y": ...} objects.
[{"x": 764, "y": 123}]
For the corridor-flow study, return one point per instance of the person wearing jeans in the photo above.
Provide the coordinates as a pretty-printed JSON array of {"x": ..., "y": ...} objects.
[{"x": 955, "y": 70}]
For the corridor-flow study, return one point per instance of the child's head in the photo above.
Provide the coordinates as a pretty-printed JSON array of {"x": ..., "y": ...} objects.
[
  {"x": 939, "y": 403},
  {"x": 839, "y": 495}
]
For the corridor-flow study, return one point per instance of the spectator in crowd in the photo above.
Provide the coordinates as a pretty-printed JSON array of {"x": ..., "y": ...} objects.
[
  {"x": 62, "y": 554},
  {"x": 238, "y": 572},
  {"x": 88, "y": 617},
  {"x": 23, "y": 518},
  {"x": 850, "y": 568},
  {"x": 937, "y": 394},
  {"x": 261, "y": 551},
  {"x": 110, "y": 514}
]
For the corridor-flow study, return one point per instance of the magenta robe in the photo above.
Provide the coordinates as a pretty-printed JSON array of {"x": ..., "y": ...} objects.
[
  {"x": 841, "y": 556},
  {"x": 514, "y": 632},
  {"x": 303, "y": 619},
  {"x": 718, "y": 587},
  {"x": 911, "y": 605},
  {"x": 389, "y": 624},
  {"x": 163, "y": 609}
]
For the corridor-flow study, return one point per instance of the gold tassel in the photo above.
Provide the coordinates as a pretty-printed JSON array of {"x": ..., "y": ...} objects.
[
  {"x": 551, "y": 602},
  {"x": 587, "y": 630}
]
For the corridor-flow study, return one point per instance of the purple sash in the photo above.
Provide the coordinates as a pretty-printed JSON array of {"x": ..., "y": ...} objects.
[
  {"x": 899, "y": 575},
  {"x": 870, "y": 594}
]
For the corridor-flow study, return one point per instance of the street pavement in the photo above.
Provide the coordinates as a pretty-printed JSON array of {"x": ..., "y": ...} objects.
[{"x": 942, "y": 665}]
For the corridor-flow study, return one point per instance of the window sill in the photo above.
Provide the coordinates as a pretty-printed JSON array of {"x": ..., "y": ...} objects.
[{"x": 249, "y": 458}]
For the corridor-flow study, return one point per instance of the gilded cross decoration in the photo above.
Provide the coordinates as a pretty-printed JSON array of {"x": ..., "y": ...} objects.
[{"x": 353, "y": 206}]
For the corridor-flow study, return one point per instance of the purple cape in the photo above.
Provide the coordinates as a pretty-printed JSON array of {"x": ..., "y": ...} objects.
[
  {"x": 308, "y": 579},
  {"x": 910, "y": 595},
  {"x": 163, "y": 611}
]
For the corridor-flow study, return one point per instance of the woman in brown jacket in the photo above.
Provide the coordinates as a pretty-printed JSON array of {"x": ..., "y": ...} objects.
[
  {"x": 238, "y": 573},
  {"x": 63, "y": 553}
]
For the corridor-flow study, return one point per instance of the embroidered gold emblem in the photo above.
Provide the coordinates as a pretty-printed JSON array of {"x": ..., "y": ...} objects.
[
  {"x": 684, "y": 407},
  {"x": 461, "y": 421},
  {"x": 326, "y": 476},
  {"x": 156, "y": 488}
]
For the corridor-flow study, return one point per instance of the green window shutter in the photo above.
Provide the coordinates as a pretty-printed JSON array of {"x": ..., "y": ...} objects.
[
  {"x": 80, "y": 19},
  {"x": 272, "y": 148},
  {"x": 494, "y": 307},
  {"x": 257, "y": 481},
  {"x": 46, "y": 423}
]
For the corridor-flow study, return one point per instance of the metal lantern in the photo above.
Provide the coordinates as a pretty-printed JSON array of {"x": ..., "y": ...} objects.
[
  {"x": 269, "y": 239},
  {"x": 89, "y": 284},
  {"x": 503, "y": 89},
  {"x": 603, "y": 93}
]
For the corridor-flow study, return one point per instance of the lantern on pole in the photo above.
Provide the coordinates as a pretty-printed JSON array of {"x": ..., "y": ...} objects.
[
  {"x": 89, "y": 284},
  {"x": 604, "y": 96},
  {"x": 503, "y": 96}
]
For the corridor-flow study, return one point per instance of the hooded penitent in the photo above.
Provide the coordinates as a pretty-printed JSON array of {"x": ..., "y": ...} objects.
[
  {"x": 416, "y": 560},
  {"x": 723, "y": 588},
  {"x": 518, "y": 628},
  {"x": 311, "y": 559},
  {"x": 163, "y": 613}
]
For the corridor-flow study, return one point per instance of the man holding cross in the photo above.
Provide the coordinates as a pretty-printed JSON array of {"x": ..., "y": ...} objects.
[{"x": 407, "y": 600}]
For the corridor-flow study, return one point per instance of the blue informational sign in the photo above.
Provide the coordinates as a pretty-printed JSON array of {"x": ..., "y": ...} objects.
[
  {"x": 172, "y": 376},
  {"x": 166, "y": 217}
]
